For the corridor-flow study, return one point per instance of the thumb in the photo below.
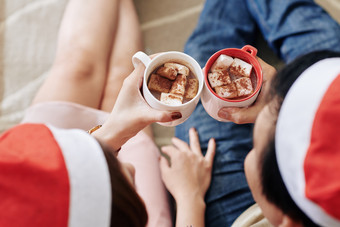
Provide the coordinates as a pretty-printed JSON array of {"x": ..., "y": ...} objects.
[
  {"x": 137, "y": 75},
  {"x": 165, "y": 116},
  {"x": 237, "y": 115}
]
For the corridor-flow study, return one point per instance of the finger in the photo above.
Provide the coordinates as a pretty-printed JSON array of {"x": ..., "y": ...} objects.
[
  {"x": 180, "y": 144},
  {"x": 168, "y": 150},
  {"x": 158, "y": 115},
  {"x": 168, "y": 153},
  {"x": 136, "y": 77},
  {"x": 164, "y": 163},
  {"x": 194, "y": 141},
  {"x": 155, "y": 55},
  {"x": 165, "y": 116},
  {"x": 209, "y": 156},
  {"x": 239, "y": 115},
  {"x": 268, "y": 70},
  {"x": 227, "y": 112},
  {"x": 263, "y": 64}
]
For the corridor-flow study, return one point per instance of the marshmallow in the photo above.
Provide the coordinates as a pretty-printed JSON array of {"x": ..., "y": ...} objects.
[
  {"x": 181, "y": 69},
  {"x": 191, "y": 89},
  {"x": 171, "y": 99},
  {"x": 240, "y": 68},
  {"x": 178, "y": 86},
  {"x": 219, "y": 78},
  {"x": 228, "y": 91},
  {"x": 158, "y": 83},
  {"x": 244, "y": 86},
  {"x": 222, "y": 63},
  {"x": 167, "y": 72}
]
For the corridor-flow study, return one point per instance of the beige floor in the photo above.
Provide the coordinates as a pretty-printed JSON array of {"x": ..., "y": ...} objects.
[{"x": 166, "y": 24}]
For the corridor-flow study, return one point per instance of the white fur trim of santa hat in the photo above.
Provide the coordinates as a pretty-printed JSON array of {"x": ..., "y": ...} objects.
[
  {"x": 89, "y": 178},
  {"x": 53, "y": 177},
  {"x": 307, "y": 142}
]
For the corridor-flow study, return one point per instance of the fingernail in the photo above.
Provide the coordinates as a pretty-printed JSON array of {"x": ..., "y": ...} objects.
[
  {"x": 176, "y": 115},
  {"x": 212, "y": 141},
  {"x": 224, "y": 114}
]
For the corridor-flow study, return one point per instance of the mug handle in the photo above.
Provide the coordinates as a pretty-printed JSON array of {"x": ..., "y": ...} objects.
[
  {"x": 250, "y": 49},
  {"x": 140, "y": 57}
]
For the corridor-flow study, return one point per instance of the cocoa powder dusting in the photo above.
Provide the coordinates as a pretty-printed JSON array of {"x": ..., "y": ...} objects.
[{"x": 164, "y": 83}]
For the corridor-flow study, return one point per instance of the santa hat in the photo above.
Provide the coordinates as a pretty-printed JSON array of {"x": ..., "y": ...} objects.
[
  {"x": 53, "y": 177},
  {"x": 308, "y": 142}
]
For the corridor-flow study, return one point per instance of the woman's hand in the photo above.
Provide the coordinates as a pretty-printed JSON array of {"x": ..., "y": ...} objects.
[
  {"x": 249, "y": 114},
  {"x": 131, "y": 113},
  {"x": 190, "y": 171},
  {"x": 188, "y": 177}
]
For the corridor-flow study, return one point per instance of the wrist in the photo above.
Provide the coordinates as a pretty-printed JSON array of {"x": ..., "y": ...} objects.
[
  {"x": 110, "y": 136},
  {"x": 193, "y": 199},
  {"x": 190, "y": 211}
]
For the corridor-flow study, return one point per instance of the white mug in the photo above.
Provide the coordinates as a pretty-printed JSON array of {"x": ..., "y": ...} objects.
[{"x": 152, "y": 64}]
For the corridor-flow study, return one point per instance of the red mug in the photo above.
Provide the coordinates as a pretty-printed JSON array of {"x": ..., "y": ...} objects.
[{"x": 212, "y": 102}]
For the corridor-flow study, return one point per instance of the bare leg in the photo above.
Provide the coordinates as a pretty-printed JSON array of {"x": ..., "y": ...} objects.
[
  {"x": 127, "y": 42},
  {"x": 85, "y": 41},
  {"x": 93, "y": 59},
  {"x": 143, "y": 154},
  {"x": 97, "y": 39},
  {"x": 148, "y": 180}
]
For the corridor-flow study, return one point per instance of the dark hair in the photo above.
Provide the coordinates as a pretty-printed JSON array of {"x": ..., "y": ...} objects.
[
  {"x": 128, "y": 209},
  {"x": 289, "y": 73},
  {"x": 275, "y": 190},
  {"x": 273, "y": 186}
]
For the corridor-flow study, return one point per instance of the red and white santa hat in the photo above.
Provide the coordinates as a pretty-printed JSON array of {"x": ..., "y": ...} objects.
[
  {"x": 308, "y": 142},
  {"x": 53, "y": 177}
]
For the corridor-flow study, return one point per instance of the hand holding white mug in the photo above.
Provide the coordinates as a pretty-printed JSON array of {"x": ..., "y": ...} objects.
[
  {"x": 131, "y": 113},
  {"x": 156, "y": 61}
]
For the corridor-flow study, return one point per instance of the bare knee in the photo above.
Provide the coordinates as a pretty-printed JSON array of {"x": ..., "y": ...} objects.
[{"x": 79, "y": 66}]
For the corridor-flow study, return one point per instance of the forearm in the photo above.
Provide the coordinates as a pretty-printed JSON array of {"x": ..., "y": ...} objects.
[{"x": 190, "y": 212}]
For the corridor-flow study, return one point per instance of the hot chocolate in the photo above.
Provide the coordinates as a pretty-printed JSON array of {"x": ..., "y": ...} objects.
[
  {"x": 173, "y": 84},
  {"x": 232, "y": 78}
]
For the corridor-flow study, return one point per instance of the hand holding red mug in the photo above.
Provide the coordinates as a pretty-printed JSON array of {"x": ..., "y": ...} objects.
[
  {"x": 238, "y": 102},
  {"x": 248, "y": 115}
]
